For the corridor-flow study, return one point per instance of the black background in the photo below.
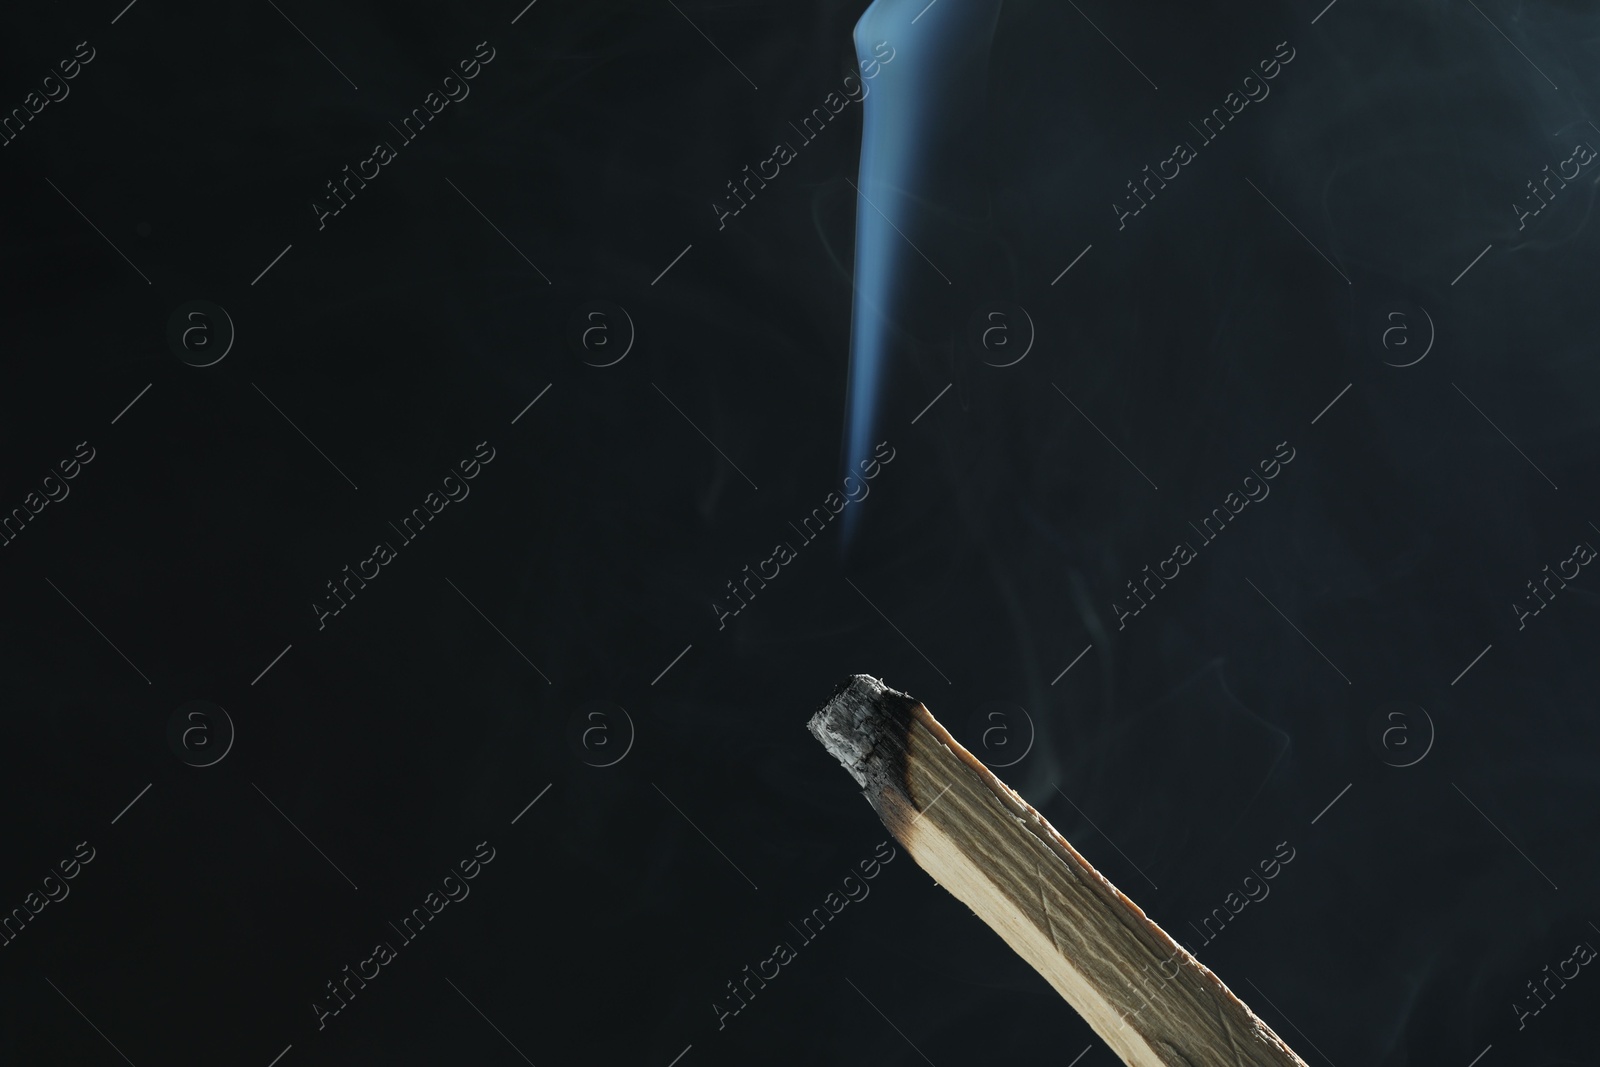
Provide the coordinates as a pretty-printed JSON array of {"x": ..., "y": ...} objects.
[{"x": 413, "y": 727}]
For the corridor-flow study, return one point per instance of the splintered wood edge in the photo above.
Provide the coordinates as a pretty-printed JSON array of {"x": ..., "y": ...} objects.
[{"x": 997, "y": 854}]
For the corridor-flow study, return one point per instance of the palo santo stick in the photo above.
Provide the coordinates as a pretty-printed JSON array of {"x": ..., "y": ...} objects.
[{"x": 1002, "y": 859}]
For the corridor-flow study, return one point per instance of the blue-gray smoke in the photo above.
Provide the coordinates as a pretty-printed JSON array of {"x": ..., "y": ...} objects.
[{"x": 937, "y": 59}]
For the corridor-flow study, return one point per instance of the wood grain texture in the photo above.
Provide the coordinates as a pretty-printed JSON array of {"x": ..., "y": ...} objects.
[{"x": 1148, "y": 998}]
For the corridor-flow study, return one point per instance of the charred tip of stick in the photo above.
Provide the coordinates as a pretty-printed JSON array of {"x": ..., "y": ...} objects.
[{"x": 864, "y": 726}]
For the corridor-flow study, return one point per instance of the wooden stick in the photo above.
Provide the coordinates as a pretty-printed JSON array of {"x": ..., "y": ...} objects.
[{"x": 1148, "y": 998}]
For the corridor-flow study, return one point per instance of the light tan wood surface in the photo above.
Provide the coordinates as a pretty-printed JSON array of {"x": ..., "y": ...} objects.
[{"x": 1148, "y": 998}]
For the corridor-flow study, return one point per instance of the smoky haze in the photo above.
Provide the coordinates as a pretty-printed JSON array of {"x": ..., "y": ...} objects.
[
  {"x": 1260, "y": 211},
  {"x": 1226, "y": 380}
]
